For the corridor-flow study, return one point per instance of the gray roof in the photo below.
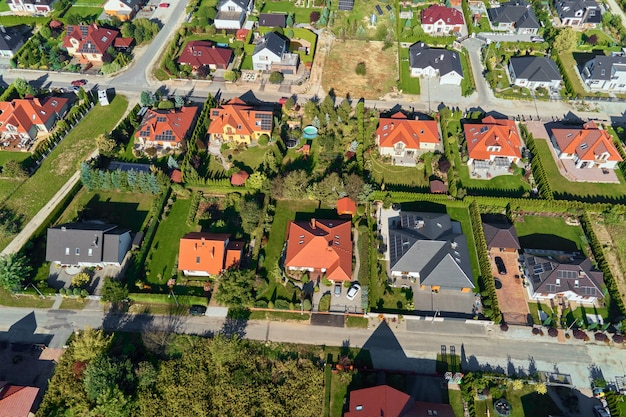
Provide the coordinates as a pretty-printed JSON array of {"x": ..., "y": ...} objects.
[
  {"x": 444, "y": 60},
  {"x": 500, "y": 234},
  {"x": 272, "y": 41},
  {"x": 431, "y": 245},
  {"x": 518, "y": 12},
  {"x": 568, "y": 8},
  {"x": 273, "y": 19},
  {"x": 12, "y": 38},
  {"x": 603, "y": 66},
  {"x": 241, "y": 3},
  {"x": 535, "y": 68},
  {"x": 70, "y": 243}
]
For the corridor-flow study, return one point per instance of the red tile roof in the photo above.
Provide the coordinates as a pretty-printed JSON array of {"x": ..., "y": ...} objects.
[
  {"x": 208, "y": 252},
  {"x": 242, "y": 33},
  {"x": 493, "y": 133},
  {"x": 92, "y": 39},
  {"x": 15, "y": 400},
  {"x": 346, "y": 205},
  {"x": 55, "y": 24},
  {"x": 166, "y": 125},
  {"x": 321, "y": 244},
  {"x": 199, "y": 53},
  {"x": 378, "y": 401},
  {"x": 398, "y": 128},
  {"x": 239, "y": 178},
  {"x": 176, "y": 176},
  {"x": 588, "y": 143},
  {"x": 437, "y": 12},
  {"x": 24, "y": 113},
  {"x": 238, "y": 116},
  {"x": 438, "y": 187},
  {"x": 123, "y": 42}
]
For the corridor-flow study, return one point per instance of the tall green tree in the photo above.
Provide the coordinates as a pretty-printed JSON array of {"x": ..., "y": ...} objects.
[
  {"x": 565, "y": 40},
  {"x": 235, "y": 288},
  {"x": 89, "y": 344},
  {"x": 14, "y": 269}
]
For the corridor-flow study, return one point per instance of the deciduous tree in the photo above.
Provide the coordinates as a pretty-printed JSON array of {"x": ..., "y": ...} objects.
[
  {"x": 89, "y": 344},
  {"x": 14, "y": 269}
]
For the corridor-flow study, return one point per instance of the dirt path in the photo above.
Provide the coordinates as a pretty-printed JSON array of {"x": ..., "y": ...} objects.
[
  {"x": 314, "y": 85},
  {"x": 612, "y": 257}
]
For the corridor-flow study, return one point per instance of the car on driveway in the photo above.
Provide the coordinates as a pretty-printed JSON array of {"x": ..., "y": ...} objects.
[
  {"x": 353, "y": 291},
  {"x": 79, "y": 83},
  {"x": 337, "y": 290},
  {"x": 283, "y": 100},
  {"x": 500, "y": 265},
  {"x": 197, "y": 310}
]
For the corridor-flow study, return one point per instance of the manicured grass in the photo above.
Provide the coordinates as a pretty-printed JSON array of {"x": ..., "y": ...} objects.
[
  {"x": 536, "y": 232},
  {"x": 569, "y": 64},
  {"x": 408, "y": 85},
  {"x": 73, "y": 304},
  {"x": 455, "y": 399},
  {"x": 385, "y": 173},
  {"x": 63, "y": 162},
  {"x": 279, "y": 316},
  {"x": 4, "y": 6},
  {"x": 586, "y": 191},
  {"x": 26, "y": 301},
  {"x": 364, "y": 248},
  {"x": 360, "y": 322},
  {"x": 147, "y": 298},
  {"x": 301, "y": 13},
  {"x": 388, "y": 298},
  {"x": 164, "y": 250},
  {"x": 525, "y": 402},
  {"x": 251, "y": 157},
  {"x": 534, "y": 307},
  {"x": 87, "y": 12},
  {"x": 127, "y": 210},
  {"x": 338, "y": 391},
  {"x": 89, "y": 3},
  {"x": 17, "y": 156}
]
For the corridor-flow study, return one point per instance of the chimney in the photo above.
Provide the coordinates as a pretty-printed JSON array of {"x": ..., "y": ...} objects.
[
  {"x": 441, "y": 57},
  {"x": 313, "y": 224},
  {"x": 3, "y": 29}
]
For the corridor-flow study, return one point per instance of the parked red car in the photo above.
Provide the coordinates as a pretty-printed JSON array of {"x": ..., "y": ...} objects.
[
  {"x": 282, "y": 100},
  {"x": 79, "y": 83},
  {"x": 164, "y": 5}
]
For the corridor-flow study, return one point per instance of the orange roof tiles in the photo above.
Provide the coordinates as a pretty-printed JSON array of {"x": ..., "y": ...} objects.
[
  {"x": 588, "y": 143},
  {"x": 398, "y": 128},
  {"x": 15, "y": 400},
  {"x": 166, "y": 125},
  {"x": 493, "y": 138},
  {"x": 237, "y": 118},
  {"x": 346, "y": 205},
  {"x": 24, "y": 113},
  {"x": 321, "y": 245},
  {"x": 208, "y": 252}
]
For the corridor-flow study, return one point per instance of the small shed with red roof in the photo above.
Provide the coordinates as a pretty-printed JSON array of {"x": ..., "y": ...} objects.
[
  {"x": 239, "y": 179},
  {"x": 346, "y": 205},
  {"x": 176, "y": 176}
]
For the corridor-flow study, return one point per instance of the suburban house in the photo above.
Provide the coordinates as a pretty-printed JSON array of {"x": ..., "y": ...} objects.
[
  {"x": 87, "y": 244},
  {"x": 231, "y": 14},
  {"x": 204, "y": 254},
  {"x": 271, "y": 53},
  {"x": 165, "y": 129},
  {"x": 16, "y": 400},
  {"x": 605, "y": 73},
  {"x": 88, "y": 42},
  {"x": 122, "y": 9},
  {"x": 25, "y": 118},
  {"x": 30, "y": 6},
  {"x": 404, "y": 139},
  {"x": 500, "y": 233},
  {"x": 589, "y": 146},
  {"x": 515, "y": 16},
  {"x": 493, "y": 141},
  {"x": 12, "y": 39},
  {"x": 430, "y": 249},
  {"x": 386, "y": 401},
  {"x": 320, "y": 246},
  {"x": 579, "y": 13},
  {"x": 534, "y": 71},
  {"x": 441, "y": 20},
  {"x": 205, "y": 53},
  {"x": 557, "y": 275},
  {"x": 238, "y": 122},
  {"x": 273, "y": 20},
  {"x": 435, "y": 62},
  {"x": 346, "y": 206}
]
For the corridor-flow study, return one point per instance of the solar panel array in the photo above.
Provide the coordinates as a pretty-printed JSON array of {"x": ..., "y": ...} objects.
[
  {"x": 346, "y": 5},
  {"x": 588, "y": 291},
  {"x": 89, "y": 48},
  {"x": 265, "y": 119},
  {"x": 398, "y": 246},
  {"x": 566, "y": 274},
  {"x": 167, "y": 136},
  {"x": 161, "y": 119}
]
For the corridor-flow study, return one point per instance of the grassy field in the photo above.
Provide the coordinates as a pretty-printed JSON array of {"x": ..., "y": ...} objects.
[
  {"x": 537, "y": 232},
  {"x": 63, "y": 162},
  {"x": 586, "y": 191},
  {"x": 4, "y": 6},
  {"x": 164, "y": 250},
  {"x": 408, "y": 85},
  {"x": 89, "y": 13},
  {"x": 73, "y": 304},
  {"x": 525, "y": 402},
  {"x": 301, "y": 13},
  {"x": 26, "y": 301},
  {"x": 390, "y": 174},
  {"x": 17, "y": 156}
]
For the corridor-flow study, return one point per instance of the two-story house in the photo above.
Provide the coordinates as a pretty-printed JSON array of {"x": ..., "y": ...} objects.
[
  {"x": 204, "y": 53},
  {"x": 515, "y": 16},
  {"x": 579, "y": 13},
  {"x": 239, "y": 122},
  {"x": 166, "y": 129},
  {"x": 404, "y": 139},
  {"x": 231, "y": 14},
  {"x": 30, "y": 6},
  {"x": 493, "y": 140},
  {"x": 534, "y": 71},
  {"x": 206, "y": 254},
  {"x": 430, "y": 62},
  {"x": 88, "y": 42},
  {"x": 589, "y": 146},
  {"x": 271, "y": 53},
  {"x": 441, "y": 20},
  {"x": 605, "y": 73},
  {"x": 25, "y": 118}
]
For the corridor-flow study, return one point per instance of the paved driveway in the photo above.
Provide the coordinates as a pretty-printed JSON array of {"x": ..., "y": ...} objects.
[
  {"x": 447, "y": 303},
  {"x": 512, "y": 296}
]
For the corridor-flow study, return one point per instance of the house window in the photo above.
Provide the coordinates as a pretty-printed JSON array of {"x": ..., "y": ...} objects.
[
  {"x": 576, "y": 284},
  {"x": 67, "y": 251},
  {"x": 558, "y": 282},
  {"x": 197, "y": 259},
  {"x": 77, "y": 252},
  {"x": 89, "y": 252}
]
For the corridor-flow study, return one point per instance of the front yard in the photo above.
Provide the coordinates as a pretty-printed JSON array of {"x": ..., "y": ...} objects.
[
  {"x": 524, "y": 402},
  {"x": 408, "y": 85},
  {"x": 549, "y": 233}
]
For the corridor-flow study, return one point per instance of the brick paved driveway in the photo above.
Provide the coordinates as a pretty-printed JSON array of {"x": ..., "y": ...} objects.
[{"x": 512, "y": 296}]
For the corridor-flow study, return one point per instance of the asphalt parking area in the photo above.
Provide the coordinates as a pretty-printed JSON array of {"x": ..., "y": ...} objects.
[
  {"x": 511, "y": 295},
  {"x": 329, "y": 320}
]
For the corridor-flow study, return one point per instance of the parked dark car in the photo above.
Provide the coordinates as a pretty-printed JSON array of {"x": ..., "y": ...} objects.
[
  {"x": 197, "y": 310},
  {"x": 337, "y": 289},
  {"x": 500, "y": 265}
]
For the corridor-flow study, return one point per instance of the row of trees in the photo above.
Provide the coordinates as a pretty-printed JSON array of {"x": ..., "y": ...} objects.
[
  {"x": 134, "y": 181},
  {"x": 536, "y": 164}
]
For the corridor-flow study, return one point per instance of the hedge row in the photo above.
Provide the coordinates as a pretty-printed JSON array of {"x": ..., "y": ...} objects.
[
  {"x": 193, "y": 208},
  {"x": 545, "y": 190},
  {"x": 569, "y": 87},
  {"x": 603, "y": 264}
]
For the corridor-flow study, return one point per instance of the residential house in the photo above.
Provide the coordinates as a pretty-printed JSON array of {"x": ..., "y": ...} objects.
[
  {"x": 430, "y": 249},
  {"x": 25, "y": 118},
  {"x": 589, "y": 146},
  {"x": 563, "y": 276},
  {"x": 273, "y": 20},
  {"x": 435, "y": 62},
  {"x": 579, "y": 13},
  {"x": 88, "y": 42},
  {"x": 205, "y": 53},
  {"x": 386, "y": 401},
  {"x": 320, "y": 246},
  {"x": 16, "y": 400},
  {"x": 87, "y": 244},
  {"x": 231, "y": 14},
  {"x": 166, "y": 129},
  {"x": 500, "y": 233},
  {"x": 238, "y": 122},
  {"x": 205, "y": 254},
  {"x": 30, "y": 6},
  {"x": 122, "y": 9},
  {"x": 533, "y": 72},
  {"x": 404, "y": 139},
  {"x": 606, "y": 74},
  {"x": 516, "y": 16},
  {"x": 441, "y": 20},
  {"x": 271, "y": 53},
  {"x": 12, "y": 39},
  {"x": 493, "y": 141},
  {"x": 346, "y": 206}
]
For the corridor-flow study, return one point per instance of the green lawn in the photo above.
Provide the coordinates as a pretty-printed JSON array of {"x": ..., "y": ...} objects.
[
  {"x": 89, "y": 3},
  {"x": 251, "y": 157},
  {"x": 301, "y": 13},
  {"x": 524, "y": 403},
  {"x": 585, "y": 191},
  {"x": 360, "y": 322},
  {"x": 534, "y": 307},
  {"x": 338, "y": 391},
  {"x": 536, "y": 232},
  {"x": 385, "y": 173},
  {"x": 279, "y": 316},
  {"x": 4, "y": 6},
  {"x": 26, "y": 301},
  {"x": 383, "y": 298},
  {"x": 89, "y": 13},
  {"x": 162, "y": 255},
  {"x": 455, "y": 399},
  {"x": 63, "y": 162},
  {"x": 569, "y": 63},
  {"x": 408, "y": 85},
  {"x": 17, "y": 156},
  {"x": 73, "y": 304}
]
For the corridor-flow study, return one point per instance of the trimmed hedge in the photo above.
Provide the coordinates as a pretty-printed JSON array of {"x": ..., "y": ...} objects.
[{"x": 536, "y": 165}]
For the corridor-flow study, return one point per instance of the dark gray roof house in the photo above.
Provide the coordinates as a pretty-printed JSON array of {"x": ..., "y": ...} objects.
[
  {"x": 88, "y": 244},
  {"x": 578, "y": 12},
  {"x": 273, "y": 20},
  {"x": 273, "y": 42},
  {"x": 430, "y": 248},
  {"x": 499, "y": 233},
  {"x": 12, "y": 38},
  {"x": 604, "y": 67},
  {"x": 535, "y": 69},
  {"x": 516, "y": 15},
  {"x": 444, "y": 60}
]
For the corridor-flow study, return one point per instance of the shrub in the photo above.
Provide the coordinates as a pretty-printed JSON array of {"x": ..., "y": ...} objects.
[
  {"x": 270, "y": 304},
  {"x": 314, "y": 17},
  {"x": 326, "y": 282},
  {"x": 324, "y": 304},
  {"x": 276, "y": 77},
  {"x": 263, "y": 139},
  {"x": 260, "y": 304},
  {"x": 306, "y": 305},
  {"x": 113, "y": 291},
  {"x": 347, "y": 284},
  {"x": 360, "y": 68},
  {"x": 282, "y": 305},
  {"x": 80, "y": 279}
]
